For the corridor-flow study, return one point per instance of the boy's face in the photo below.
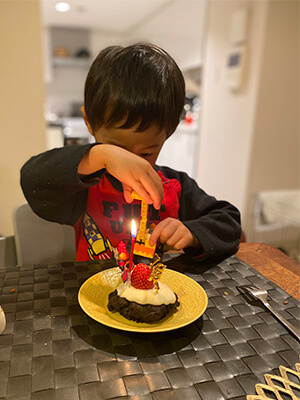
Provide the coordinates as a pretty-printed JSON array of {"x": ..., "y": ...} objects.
[{"x": 146, "y": 144}]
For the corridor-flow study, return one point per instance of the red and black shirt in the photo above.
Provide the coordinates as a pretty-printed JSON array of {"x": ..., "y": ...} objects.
[{"x": 96, "y": 207}]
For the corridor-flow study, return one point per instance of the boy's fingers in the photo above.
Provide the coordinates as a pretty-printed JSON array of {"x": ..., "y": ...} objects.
[
  {"x": 180, "y": 240},
  {"x": 127, "y": 193},
  {"x": 148, "y": 185},
  {"x": 157, "y": 199},
  {"x": 173, "y": 233},
  {"x": 140, "y": 190},
  {"x": 181, "y": 244},
  {"x": 155, "y": 235},
  {"x": 153, "y": 185}
]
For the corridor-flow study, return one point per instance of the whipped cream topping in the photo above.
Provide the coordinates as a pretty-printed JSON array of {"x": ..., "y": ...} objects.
[{"x": 165, "y": 294}]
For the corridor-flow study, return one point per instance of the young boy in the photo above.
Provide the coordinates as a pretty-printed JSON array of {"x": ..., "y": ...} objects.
[{"x": 132, "y": 103}]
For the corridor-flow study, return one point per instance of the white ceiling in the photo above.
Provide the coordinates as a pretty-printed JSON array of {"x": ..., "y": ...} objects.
[
  {"x": 178, "y": 26},
  {"x": 106, "y": 15}
]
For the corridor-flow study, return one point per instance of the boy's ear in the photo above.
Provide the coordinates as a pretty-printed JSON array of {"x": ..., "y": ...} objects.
[{"x": 86, "y": 120}]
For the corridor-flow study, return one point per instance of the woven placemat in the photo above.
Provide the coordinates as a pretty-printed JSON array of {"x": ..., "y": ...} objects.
[{"x": 51, "y": 350}]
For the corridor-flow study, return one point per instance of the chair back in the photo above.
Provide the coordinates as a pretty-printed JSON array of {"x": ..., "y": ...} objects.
[
  {"x": 8, "y": 256},
  {"x": 41, "y": 241}
]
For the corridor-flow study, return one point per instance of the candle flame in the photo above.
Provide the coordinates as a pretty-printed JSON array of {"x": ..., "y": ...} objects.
[{"x": 133, "y": 228}]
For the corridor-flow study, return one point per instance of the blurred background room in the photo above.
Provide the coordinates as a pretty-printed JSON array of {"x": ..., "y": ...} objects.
[{"x": 239, "y": 131}]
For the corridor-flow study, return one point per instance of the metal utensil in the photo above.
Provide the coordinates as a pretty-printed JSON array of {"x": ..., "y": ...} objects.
[{"x": 262, "y": 295}]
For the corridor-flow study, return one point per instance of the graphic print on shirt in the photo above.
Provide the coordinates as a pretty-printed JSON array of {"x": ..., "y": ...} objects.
[
  {"x": 99, "y": 248},
  {"x": 107, "y": 218}
]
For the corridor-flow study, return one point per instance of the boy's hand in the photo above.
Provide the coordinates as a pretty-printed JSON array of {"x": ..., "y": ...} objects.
[
  {"x": 134, "y": 172},
  {"x": 174, "y": 233}
]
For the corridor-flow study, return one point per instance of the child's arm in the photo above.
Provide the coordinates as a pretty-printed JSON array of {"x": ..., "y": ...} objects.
[
  {"x": 56, "y": 182},
  {"x": 132, "y": 171},
  {"x": 52, "y": 186},
  {"x": 207, "y": 228}
]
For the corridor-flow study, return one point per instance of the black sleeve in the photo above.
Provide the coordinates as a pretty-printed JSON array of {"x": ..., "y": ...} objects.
[
  {"x": 216, "y": 224},
  {"x": 52, "y": 186}
]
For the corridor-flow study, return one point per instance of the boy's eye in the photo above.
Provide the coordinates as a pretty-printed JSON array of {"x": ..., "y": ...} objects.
[{"x": 146, "y": 154}]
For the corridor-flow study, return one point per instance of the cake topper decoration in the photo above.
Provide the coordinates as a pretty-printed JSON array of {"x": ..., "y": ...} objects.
[
  {"x": 142, "y": 246},
  {"x": 121, "y": 257},
  {"x": 157, "y": 268}
]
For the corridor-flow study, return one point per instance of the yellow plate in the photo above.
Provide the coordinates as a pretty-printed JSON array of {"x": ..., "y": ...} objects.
[{"x": 93, "y": 298}]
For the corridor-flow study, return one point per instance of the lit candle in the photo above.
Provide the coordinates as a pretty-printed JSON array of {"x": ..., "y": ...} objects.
[{"x": 133, "y": 236}]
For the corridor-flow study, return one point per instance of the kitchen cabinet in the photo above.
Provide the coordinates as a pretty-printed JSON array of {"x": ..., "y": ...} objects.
[
  {"x": 65, "y": 74},
  {"x": 71, "y": 62}
]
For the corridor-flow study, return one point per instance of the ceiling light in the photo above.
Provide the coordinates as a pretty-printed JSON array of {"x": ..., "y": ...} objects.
[{"x": 62, "y": 6}]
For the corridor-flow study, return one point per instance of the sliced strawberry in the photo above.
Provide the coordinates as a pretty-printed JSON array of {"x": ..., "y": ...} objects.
[{"x": 140, "y": 276}]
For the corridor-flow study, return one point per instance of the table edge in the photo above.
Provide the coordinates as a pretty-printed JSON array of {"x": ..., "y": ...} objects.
[{"x": 273, "y": 264}]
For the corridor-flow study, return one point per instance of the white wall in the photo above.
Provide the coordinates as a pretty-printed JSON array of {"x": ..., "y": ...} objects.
[
  {"x": 178, "y": 28},
  {"x": 227, "y": 117},
  {"x": 21, "y": 99},
  {"x": 275, "y": 153},
  {"x": 99, "y": 40},
  {"x": 249, "y": 139}
]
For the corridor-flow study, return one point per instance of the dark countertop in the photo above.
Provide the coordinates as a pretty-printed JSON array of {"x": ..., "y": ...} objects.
[{"x": 51, "y": 349}]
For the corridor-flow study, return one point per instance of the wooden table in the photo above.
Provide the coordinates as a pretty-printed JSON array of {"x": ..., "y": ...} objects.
[{"x": 274, "y": 265}]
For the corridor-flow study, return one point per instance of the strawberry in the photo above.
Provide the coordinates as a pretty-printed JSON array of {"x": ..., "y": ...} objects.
[{"x": 140, "y": 275}]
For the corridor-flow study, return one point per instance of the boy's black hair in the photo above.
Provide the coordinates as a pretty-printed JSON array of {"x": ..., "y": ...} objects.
[{"x": 139, "y": 84}]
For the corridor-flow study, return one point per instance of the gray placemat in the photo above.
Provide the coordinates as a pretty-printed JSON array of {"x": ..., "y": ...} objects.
[{"x": 52, "y": 350}]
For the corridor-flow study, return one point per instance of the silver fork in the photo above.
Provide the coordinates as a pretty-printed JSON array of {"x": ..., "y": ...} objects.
[{"x": 262, "y": 295}]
